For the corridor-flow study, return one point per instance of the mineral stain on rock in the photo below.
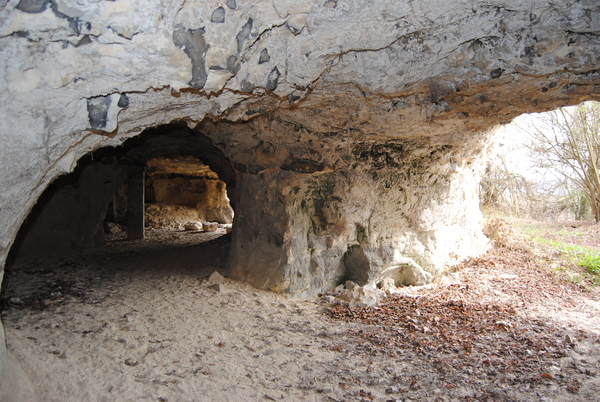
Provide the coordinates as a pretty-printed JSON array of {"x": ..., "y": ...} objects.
[
  {"x": 264, "y": 56},
  {"x": 273, "y": 79},
  {"x": 97, "y": 108},
  {"x": 123, "y": 101},
  {"x": 496, "y": 73},
  {"x": 33, "y": 6},
  {"x": 218, "y": 16},
  {"x": 231, "y": 4},
  {"x": 232, "y": 64},
  {"x": 246, "y": 86},
  {"x": 243, "y": 35},
  {"x": 193, "y": 44}
]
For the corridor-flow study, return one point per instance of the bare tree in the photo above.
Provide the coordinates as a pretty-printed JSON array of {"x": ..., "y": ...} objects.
[
  {"x": 567, "y": 142},
  {"x": 503, "y": 190}
]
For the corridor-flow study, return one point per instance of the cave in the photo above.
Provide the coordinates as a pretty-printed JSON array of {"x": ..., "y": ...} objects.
[
  {"x": 161, "y": 179},
  {"x": 350, "y": 135}
]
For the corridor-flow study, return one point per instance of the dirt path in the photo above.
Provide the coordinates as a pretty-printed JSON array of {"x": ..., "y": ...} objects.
[{"x": 140, "y": 322}]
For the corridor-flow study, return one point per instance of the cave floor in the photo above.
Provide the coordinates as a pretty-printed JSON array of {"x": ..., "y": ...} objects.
[{"x": 140, "y": 321}]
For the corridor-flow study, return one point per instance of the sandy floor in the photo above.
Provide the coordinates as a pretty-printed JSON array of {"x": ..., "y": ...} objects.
[{"x": 140, "y": 322}]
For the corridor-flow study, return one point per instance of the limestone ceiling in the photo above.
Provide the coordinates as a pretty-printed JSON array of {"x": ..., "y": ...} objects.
[{"x": 179, "y": 165}]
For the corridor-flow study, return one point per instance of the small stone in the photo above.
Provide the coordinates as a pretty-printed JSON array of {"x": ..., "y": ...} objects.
[
  {"x": 98, "y": 111},
  {"x": 329, "y": 299},
  {"x": 361, "y": 296},
  {"x": 15, "y": 300},
  {"x": 192, "y": 226},
  {"x": 217, "y": 286},
  {"x": 553, "y": 370},
  {"x": 338, "y": 290},
  {"x": 32, "y": 6},
  {"x": 387, "y": 285},
  {"x": 272, "y": 79},
  {"x": 123, "y": 100},
  {"x": 296, "y": 23},
  {"x": 132, "y": 363},
  {"x": 63, "y": 355},
  {"x": 496, "y": 73},
  {"x": 264, "y": 56},
  {"x": 568, "y": 339},
  {"x": 216, "y": 277},
  {"x": 327, "y": 390},
  {"x": 210, "y": 226}
]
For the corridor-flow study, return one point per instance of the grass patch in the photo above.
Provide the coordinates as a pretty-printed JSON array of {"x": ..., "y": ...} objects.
[
  {"x": 564, "y": 246},
  {"x": 575, "y": 261}
]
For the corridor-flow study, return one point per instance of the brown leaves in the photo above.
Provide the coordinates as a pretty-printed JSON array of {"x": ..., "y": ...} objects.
[{"x": 462, "y": 331}]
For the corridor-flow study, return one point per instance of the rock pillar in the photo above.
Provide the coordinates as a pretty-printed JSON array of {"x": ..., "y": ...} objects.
[
  {"x": 304, "y": 233},
  {"x": 135, "y": 207}
]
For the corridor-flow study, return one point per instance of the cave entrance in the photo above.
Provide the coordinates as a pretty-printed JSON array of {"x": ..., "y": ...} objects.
[
  {"x": 547, "y": 166},
  {"x": 182, "y": 196},
  {"x": 179, "y": 181}
]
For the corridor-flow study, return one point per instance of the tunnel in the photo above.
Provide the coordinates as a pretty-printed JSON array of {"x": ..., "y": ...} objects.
[
  {"x": 161, "y": 179},
  {"x": 350, "y": 135}
]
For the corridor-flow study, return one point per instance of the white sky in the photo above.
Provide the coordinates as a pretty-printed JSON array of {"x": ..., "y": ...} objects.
[{"x": 513, "y": 139}]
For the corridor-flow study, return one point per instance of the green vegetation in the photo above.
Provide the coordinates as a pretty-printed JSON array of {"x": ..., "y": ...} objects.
[
  {"x": 575, "y": 261},
  {"x": 570, "y": 250}
]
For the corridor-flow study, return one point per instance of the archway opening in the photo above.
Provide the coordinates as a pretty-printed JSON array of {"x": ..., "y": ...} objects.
[
  {"x": 82, "y": 226},
  {"x": 185, "y": 203},
  {"x": 547, "y": 166}
]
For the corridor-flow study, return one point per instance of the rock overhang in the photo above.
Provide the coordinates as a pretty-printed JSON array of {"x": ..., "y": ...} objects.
[
  {"x": 307, "y": 93},
  {"x": 354, "y": 128}
]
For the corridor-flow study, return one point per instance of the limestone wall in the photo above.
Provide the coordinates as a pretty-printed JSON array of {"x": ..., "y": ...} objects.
[
  {"x": 207, "y": 196},
  {"x": 80, "y": 75},
  {"x": 282, "y": 88}
]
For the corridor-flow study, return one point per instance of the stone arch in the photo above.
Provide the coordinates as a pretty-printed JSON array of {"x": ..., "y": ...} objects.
[{"x": 69, "y": 215}]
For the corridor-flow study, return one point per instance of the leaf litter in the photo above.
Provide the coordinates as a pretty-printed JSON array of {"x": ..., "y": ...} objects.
[
  {"x": 506, "y": 328},
  {"x": 479, "y": 339}
]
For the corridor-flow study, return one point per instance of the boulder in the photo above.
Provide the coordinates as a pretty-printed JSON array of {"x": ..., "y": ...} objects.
[{"x": 356, "y": 296}]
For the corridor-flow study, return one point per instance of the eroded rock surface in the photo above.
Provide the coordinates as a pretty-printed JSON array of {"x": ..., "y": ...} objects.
[{"x": 353, "y": 129}]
